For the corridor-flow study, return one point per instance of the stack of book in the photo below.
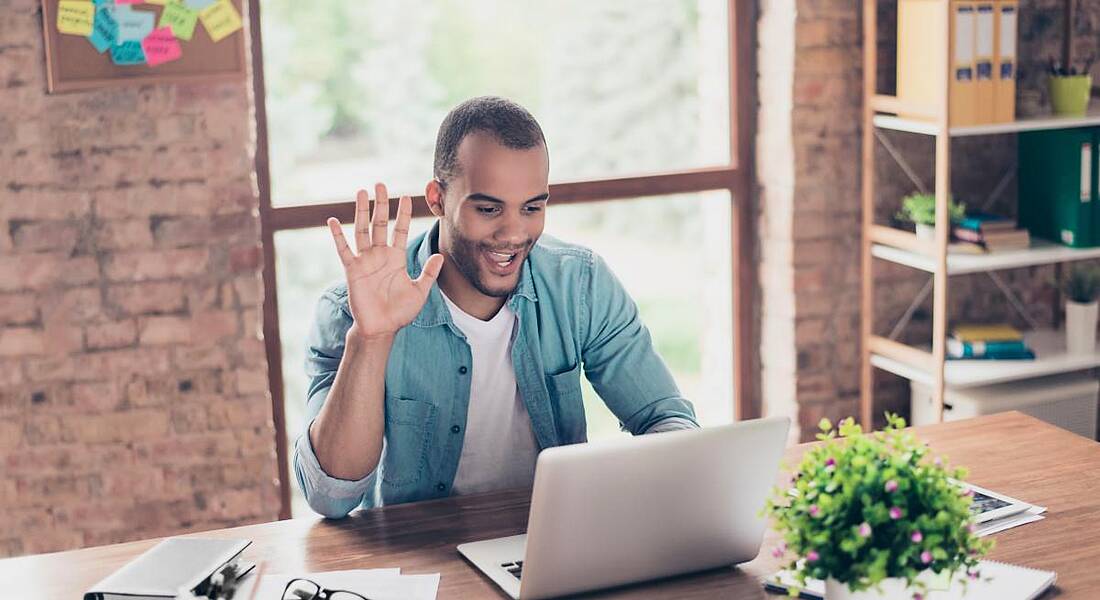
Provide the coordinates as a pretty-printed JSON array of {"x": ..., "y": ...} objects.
[
  {"x": 991, "y": 233},
  {"x": 994, "y": 342}
]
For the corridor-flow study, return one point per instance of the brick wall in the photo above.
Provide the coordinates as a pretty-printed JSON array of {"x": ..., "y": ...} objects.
[
  {"x": 810, "y": 61},
  {"x": 133, "y": 380}
]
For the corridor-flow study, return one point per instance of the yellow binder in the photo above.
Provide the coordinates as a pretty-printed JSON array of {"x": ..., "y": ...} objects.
[
  {"x": 983, "y": 62},
  {"x": 1004, "y": 62},
  {"x": 921, "y": 44}
]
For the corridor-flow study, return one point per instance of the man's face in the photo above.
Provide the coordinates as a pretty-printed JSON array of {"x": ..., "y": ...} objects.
[{"x": 494, "y": 211}]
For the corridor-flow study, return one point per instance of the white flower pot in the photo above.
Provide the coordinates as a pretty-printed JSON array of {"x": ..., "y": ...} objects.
[
  {"x": 926, "y": 232},
  {"x": 1080, "y": 327},
  {"x": 891, "y": 587}
]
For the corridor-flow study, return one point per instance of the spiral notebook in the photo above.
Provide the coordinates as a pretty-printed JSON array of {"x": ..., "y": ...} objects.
[{"x": 998, "y": 580}]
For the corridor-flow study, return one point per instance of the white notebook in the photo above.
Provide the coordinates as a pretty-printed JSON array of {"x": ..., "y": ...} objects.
[
  {"x": 163, "y": 569},
  {"x": 998, "y": 580}
]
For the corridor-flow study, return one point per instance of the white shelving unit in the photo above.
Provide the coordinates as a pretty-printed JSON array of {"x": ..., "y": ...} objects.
[
  {"x": 1041, "y": 252},
  {"x": 929, "y": 365}
]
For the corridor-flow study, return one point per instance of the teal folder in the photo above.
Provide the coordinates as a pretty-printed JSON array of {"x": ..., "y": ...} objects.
[{"x": 1057, "y": 185}]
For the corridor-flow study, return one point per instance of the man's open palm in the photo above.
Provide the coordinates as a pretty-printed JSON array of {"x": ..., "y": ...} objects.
[{"x": 382, "y": 296}]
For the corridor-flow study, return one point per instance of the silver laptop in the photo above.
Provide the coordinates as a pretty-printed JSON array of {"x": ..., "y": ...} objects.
[{"x": 611, "y": 513}]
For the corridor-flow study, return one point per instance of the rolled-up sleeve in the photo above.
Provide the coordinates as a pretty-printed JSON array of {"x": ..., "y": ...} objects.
[
  {"x": 621, "y": 363},
  {"x": 329, "y": 496}
]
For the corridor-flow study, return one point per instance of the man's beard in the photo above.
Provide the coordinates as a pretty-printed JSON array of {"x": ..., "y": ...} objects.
[{"x": 465, "y": 253}]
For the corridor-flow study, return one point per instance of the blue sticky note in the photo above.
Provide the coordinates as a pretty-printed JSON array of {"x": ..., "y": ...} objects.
[
  {"x": 104, "y": 3},
  {"x": 105, "y": 30},
  {"x": 197, "y": 5},
  {"x": 133, "y": 25},
  {"x": 128, "y": 53}
]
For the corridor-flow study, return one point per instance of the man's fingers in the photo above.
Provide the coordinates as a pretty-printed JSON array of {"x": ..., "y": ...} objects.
[
  {"x": 429, "y": 274},
  {"x": 342, "y": 248},
  {"x": 381, "y": 216},
  {"x": 401, "y": 227},
  {"x": 362, "y": 220}
]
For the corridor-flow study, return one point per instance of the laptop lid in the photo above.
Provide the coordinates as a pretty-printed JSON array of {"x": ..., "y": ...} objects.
[{"x": 622, "y": 511}]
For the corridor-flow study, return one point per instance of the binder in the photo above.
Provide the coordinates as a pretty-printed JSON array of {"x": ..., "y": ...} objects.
[
  {"x": 1004, "y": 61},
  {"x": 983, "y": 62},
  {"x": 920, "y": 57},
  {"x": 1058, "y": 185}
]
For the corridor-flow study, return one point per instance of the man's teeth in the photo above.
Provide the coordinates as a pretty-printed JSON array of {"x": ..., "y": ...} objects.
[{"x": 503, "y": 259}]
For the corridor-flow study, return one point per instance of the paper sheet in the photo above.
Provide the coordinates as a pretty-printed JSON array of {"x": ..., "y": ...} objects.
[{"x": 376, "y": 584}]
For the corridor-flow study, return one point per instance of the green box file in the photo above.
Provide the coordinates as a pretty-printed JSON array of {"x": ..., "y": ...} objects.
[{"x": 1057, "y": 177}]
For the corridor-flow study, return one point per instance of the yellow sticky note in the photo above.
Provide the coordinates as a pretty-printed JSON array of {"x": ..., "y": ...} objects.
[
  {"x": 220, "y": 19},
  {"x": 160, "y": 2},
  {"x": 75, "y": 17}
]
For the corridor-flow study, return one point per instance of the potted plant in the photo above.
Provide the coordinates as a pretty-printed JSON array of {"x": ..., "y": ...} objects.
[
  {"x": 920, "y": 209},
  {"x": 874, "y": 517},
  {"x": 1070, "y": 88},
  {"x": 1081, "y": 289}
]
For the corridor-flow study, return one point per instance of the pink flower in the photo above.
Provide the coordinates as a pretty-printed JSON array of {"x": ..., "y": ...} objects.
[
  {"x": 971, "y": 528},
  {"x": 812, "y": 556},
  {"x": 926, "y": 557},
  {"x": 973, "y": 574},
  {"x": 917, "y": 537},
  {"x": 938, "y": 462},
  {"x": 966, "y": 492},
  {"x": 865, "y": 530},
  {"x": 814, "y": 510},
  {"x": 895, "y": 513},
  {"x": 830, "y": 462},
  {"x": 891, "y": 486},
  {"x": 917, "y": 596}
]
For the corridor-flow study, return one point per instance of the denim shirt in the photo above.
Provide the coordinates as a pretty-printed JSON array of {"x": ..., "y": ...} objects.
[{"x": 571, "y": 312}]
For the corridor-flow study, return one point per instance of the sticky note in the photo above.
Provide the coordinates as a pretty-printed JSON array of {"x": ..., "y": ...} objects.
[
  {"x": 161, "y": 46},
  {"x": 105, "y": 30},
  {"x": 133, "y": 25},
  {"x": 128, "y": 53},
  {"x": 220, "y": 19},
  {"x": 180, "y": 19},
  {"x": 75, "y": 17},
  {"x": 127, "y": 1},
  {"x": 198, "y": 5},
  {"x": 159, "y": 2}
]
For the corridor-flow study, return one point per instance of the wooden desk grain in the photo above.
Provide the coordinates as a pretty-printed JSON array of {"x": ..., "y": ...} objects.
[{"x": 1010, "y": 453}]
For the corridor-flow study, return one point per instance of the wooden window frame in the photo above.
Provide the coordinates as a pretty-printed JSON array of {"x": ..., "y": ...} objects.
[{"x": 737, "y": 178}]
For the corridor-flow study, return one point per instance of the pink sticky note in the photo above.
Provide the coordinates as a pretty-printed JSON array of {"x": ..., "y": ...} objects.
[{"x": 161, "y": 46}]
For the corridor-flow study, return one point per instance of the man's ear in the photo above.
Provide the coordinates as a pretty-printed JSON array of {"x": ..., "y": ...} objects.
[{"x": 433, "y": 196}]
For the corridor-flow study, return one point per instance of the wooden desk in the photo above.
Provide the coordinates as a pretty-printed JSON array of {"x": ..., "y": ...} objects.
[{"x": 1009, "y": 453}]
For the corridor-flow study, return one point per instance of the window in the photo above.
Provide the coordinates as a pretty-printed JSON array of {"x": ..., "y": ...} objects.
[{"x": 643, "y": 103}]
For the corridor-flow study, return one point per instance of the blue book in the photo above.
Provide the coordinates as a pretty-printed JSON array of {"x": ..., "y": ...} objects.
[
  {"x": 994, "y": 349},
  {"x": 985, "y": 221}
]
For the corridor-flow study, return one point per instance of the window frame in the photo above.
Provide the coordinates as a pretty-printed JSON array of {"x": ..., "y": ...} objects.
[{"x": 736, "y": 177}]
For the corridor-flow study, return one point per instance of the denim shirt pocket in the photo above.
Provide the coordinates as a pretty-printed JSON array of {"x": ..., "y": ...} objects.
[
  {"x": 409, "y": 427},
  {"x": 568, "y": 403}
]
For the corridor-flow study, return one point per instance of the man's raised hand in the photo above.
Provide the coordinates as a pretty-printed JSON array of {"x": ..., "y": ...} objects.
[{"x": 382, "y": 296}]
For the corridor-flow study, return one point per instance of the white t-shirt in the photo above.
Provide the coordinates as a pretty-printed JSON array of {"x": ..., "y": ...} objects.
[{"x": 499, "y": 448}]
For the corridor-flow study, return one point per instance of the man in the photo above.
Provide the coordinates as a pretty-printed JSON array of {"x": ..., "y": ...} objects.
[{"x": 444, "y": 367}]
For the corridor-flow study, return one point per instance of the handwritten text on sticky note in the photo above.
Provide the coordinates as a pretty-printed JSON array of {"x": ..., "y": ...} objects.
[
  {"x": 161, "y": 46},
  {"x": 220, "y": 19},
  {"x": 128, "y": 53},
  {"x": 105, "y": 31},
  {"x": 181, "y": 19},
  {"x": 75, "y": 17}
]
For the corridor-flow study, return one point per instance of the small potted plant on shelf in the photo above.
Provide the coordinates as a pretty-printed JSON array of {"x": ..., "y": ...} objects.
[
  {"x": 920, "y": 209},
  {"x": 1081, "y": 288},
  {"x": 874, "y": 516},
  {"x": 1070, "y": 89}
]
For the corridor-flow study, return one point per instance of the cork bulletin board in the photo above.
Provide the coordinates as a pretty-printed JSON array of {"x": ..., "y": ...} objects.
[{"x": 87, "y": 49}]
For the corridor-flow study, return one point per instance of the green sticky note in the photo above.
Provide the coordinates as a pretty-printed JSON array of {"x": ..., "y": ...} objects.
[{"x": 181, "y": 19}]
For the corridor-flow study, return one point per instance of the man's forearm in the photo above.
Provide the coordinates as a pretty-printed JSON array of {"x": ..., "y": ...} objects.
[{"x": 347, "y": 433}]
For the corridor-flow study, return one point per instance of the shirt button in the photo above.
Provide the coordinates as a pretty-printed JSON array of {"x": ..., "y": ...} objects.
[
  {"x": 462, "y": 370},
  {"x": 455, "y": 429},
  {"x": 440, "y": 486}
]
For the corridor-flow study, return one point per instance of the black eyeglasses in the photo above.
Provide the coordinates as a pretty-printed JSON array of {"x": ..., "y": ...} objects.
[{"x": 304, "y": 589}]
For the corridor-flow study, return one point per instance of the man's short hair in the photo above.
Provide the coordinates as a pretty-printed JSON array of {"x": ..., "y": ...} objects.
[{"x": 509, "y": 123}]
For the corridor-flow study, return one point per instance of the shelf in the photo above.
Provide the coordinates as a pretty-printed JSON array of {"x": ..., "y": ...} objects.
[
  {"x": 1041, "y": 253},
  {"x": 1029, "y": 124},
  {"x": 1050, "y": 359}
]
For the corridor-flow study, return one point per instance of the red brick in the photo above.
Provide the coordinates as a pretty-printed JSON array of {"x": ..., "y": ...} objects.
[
  {"x": 34, "y": 205},
  {"x": 249, "y": 290},
  {"x": 119, "y": 334},
  {"x": 251, "y": 381},
  {"x": 118, "y": 427},
  {"x": 22, "y": 341},
  {"x": 161, "y": 264},
  {"x": 97, "y": 396},
  {"x": 41, "y": 270},
  {"x": 211, "y": 326},
  {"x": 166, "y": 330},
  {"x": 245, "y": 258},
  {"x": 18, "y": 309},
  {"x": 44, "y": 236},
  {"x": 124, "y": 234},
  {"x": 160, "y": 297},
  {"x": 11, "y": 435}
]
